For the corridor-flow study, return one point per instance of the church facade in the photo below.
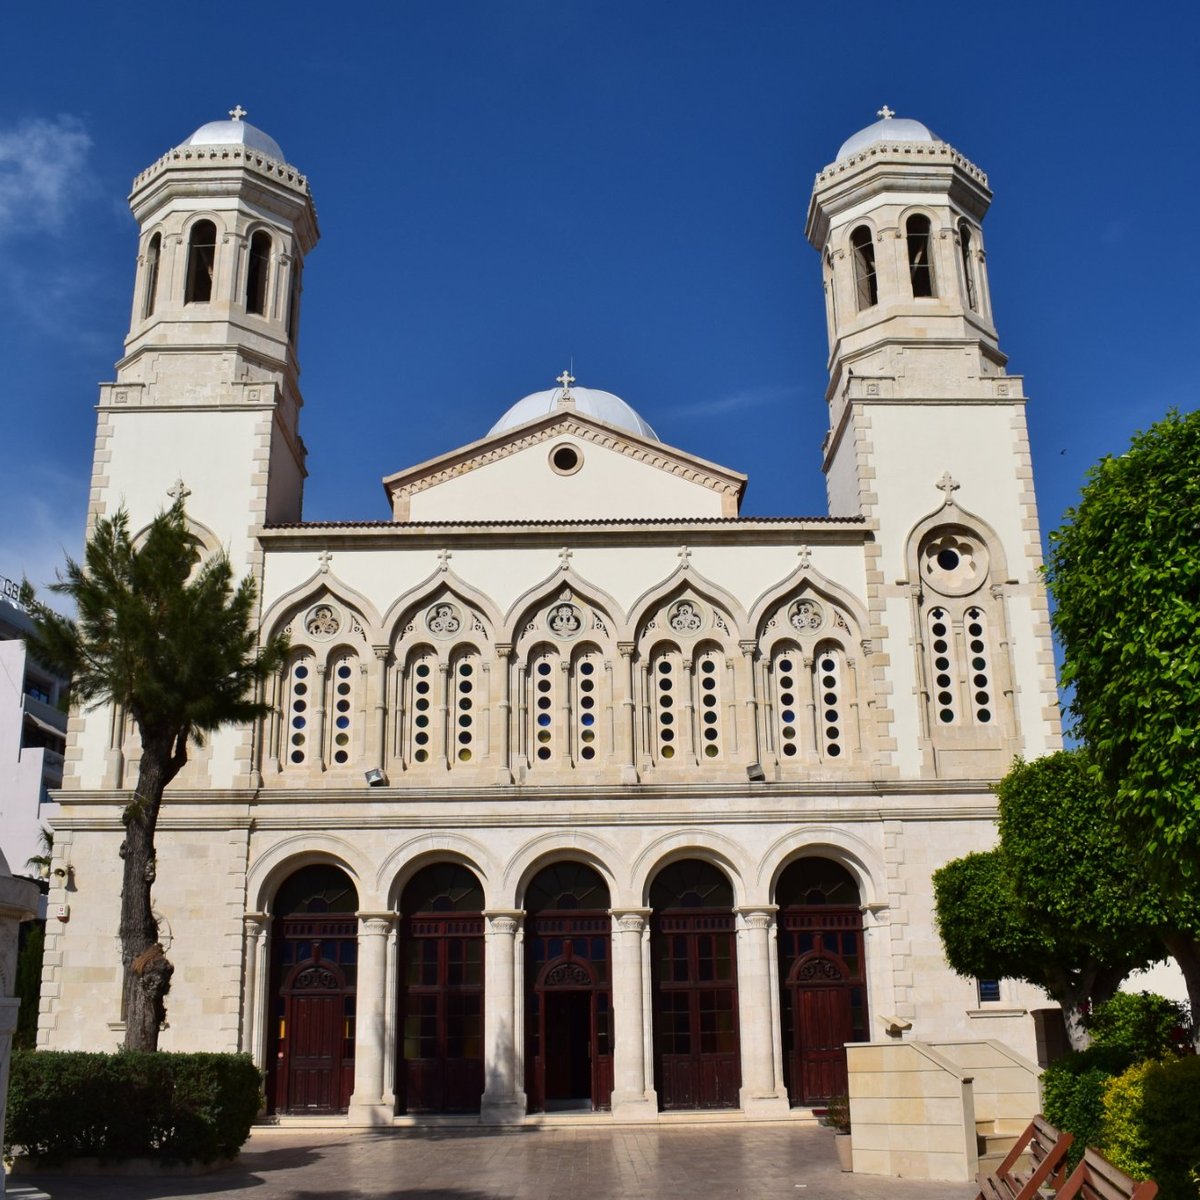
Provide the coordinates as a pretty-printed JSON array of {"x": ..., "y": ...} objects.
[{"x": 578, "y": 789}]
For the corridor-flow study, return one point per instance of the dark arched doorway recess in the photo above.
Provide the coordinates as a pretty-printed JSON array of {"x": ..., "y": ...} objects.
[
  {"x": 697, "y": 1061},
  {"x": 822, "y": 975},
  {"x": 314, "y": 964},
  {"x": 568, "y": 989},
  {"x": 440, "y": 1065}
]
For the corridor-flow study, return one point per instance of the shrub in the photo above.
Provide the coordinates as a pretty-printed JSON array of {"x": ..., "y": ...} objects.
[
  {"x": 1140, "y": 1023},
  {"x": 1150, "y": 1128},
  {"x": 1073, "y": 1093},
  {"x": 172, "y": 1107}
]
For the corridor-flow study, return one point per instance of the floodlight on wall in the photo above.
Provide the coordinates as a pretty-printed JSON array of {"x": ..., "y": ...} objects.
[
  {"x": 755, "y": 773},
  {"x": 376, "y": 778}
]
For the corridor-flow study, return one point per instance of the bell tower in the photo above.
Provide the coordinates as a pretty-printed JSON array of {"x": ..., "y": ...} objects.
[
  {"x": 927, "y": 440},
  {"x": 206, "y": 402},
  {"x": 207, "y": 394}
]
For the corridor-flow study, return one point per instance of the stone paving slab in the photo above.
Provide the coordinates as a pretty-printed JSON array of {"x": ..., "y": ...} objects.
[{"x": 755, "y": 1162}]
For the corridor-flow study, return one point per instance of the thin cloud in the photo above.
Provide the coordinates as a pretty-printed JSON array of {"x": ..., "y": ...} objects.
[
  {"x": 41, "y": 173},
  {"x": 39, "y": 533},
  {"x": 736, "y": 402}
]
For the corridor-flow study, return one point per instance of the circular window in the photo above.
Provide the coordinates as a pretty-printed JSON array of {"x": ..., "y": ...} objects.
[
  {"x": 565, "y": 459},
  {"x": 953, "y": 562}
]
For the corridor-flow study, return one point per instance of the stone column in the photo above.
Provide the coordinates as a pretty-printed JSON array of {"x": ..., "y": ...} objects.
[
  {"x": 377, "y": 754},
  {"x": 255, "y": 1015},
  {"x": 752, "y": 742},
  {"x": 503, "y": 1095},
  {"x": 367, "y": 1106},
  {"x": 633, "y": 1099},
  {"x": 627, "y": 737},
  {"x": 762, "y": 1092},
  {"x": 504, "y": 746}
]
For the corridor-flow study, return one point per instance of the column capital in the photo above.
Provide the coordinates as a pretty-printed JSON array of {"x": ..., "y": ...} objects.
[
  {"x": 375, "y": 924},
  {"x": 255, "y": 922},
  {"x": 630, "y": 920},
  {"x": 757, "y": 916},
  {"x": 504, "y": 920}
]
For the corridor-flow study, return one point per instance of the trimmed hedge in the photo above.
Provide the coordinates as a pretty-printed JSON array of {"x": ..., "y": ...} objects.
[
  {"x": 1140, "y": 1023},
  {"x": 1150, "y": 1128},
  {"x": 170, "y": 1107},
  {"x": 1073, "y": 1093}
]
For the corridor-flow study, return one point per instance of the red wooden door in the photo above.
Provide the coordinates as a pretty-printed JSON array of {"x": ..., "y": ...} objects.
[
  {"x": 441, "y": 1063},
  {"x": 313, "y": 1039},
  {"x": 824, "y": 1028},
  {"x": 697, "y": 1052}
]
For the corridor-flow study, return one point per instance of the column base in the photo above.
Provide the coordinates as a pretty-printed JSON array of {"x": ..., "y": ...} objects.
[
  {"x": 370, "y": 1113},
  {"x": 763, "y": 1107},
  {"x": 509, "y": 1110},
  {"x": 636, "y": 1108}
]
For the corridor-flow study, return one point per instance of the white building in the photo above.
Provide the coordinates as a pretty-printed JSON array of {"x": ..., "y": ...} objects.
[
  {"x": 578, "y": 789},
  {"x": 33, "y": 733}
]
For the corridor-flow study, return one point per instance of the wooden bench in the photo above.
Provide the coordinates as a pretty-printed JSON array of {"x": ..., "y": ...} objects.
[
  {"x": 1097, "y": 1179},
  {"x": 1046, "y": 1150}
]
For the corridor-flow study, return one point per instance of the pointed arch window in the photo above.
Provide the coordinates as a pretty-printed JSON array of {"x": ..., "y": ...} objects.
[
  {"x": 968, "y": 265},
  {"x": 544, "y": 698},
  {"x": 343, "y": 678},
  {"x": 301, "y": 679},
  {"x": 785, "y": 675},
  {"x": 201, "y": 261},
  {"x": 710, "y": 667},
  {"x": 829, "y": 672},
  {"x": 465, "y": 715},
  {"x": 866, "y": 284},
  {"x": 587, "y": 679},
  {"x": 153, "y": 258},
  {"x": 258, "y": 267},
  {"x": 422, "y": 706},
  {"x": 944, "y": 668},
  {"x": 666, "y": 700},
  {"x": 920, "y": 264}
]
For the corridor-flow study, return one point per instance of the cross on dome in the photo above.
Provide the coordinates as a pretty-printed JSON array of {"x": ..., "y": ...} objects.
[
  {"x": 886, "y": 113},
  {"x": 237, "y": 112},
  {"x": 179, "y": 491},
  {"x": 566, "y": 379}
]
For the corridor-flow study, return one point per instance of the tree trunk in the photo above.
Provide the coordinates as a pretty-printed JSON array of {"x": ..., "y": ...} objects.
[
  {"x": 1185, "y": 950},
  {"x": 147, "y": 971}
]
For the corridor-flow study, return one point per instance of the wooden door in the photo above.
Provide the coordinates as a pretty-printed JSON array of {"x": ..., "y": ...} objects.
[
  {"x": 313, "y": 1041},
  {"x": 697, "y": 1051},
  {"x": 824, "y": 1028}
]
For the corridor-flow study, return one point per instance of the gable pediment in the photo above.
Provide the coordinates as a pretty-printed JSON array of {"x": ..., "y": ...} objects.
[{"x": 565, "y": 465}]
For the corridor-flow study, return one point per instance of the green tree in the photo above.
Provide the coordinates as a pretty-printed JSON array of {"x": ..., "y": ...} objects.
[
  {"x": 170, "y": 641},
  {"x": 1060, "y": 902},
  {"x": 1125, "y": 574}
]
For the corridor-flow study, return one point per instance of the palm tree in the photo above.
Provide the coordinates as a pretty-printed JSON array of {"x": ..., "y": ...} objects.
[{"x": 171, "y": 642}]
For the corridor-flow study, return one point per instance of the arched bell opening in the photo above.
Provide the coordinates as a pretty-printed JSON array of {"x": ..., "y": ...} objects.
[
  {"x": 697, "y": 1056},
  {"x": 440, "y": 1064},
  {"x": 314, "y": 964},
  {"x": 568, "y": 981},
  {"x": 822, "y": 974}
]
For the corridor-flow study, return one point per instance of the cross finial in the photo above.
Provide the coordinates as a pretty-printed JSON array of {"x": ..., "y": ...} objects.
[
  {"x": 564, "y": 559},
  {"x": 237, "y": 112},
  {"x": 805, "y": 558},
  {"x": 444, "y": 557},
  {"x": 179, "y": 491},
  {"x": 948, "y": 485},
  {"x": 886, "y": 113},
  {"x": 324, "y": 558},
  {"x": 685, "y": 557},
  {"x": 566, "y": 379}
]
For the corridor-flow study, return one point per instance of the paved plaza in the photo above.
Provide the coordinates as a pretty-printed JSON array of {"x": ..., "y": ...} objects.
[{"x": 695, "y": 1162}]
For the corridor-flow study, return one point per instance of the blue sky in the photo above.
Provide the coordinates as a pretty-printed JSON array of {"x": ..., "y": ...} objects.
[{"x": 503, "y": 187}]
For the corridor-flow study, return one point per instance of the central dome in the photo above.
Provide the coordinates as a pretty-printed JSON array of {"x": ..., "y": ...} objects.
[
  {"x": 604, "y": 406},
  {"x": 236, "y": 133}
]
